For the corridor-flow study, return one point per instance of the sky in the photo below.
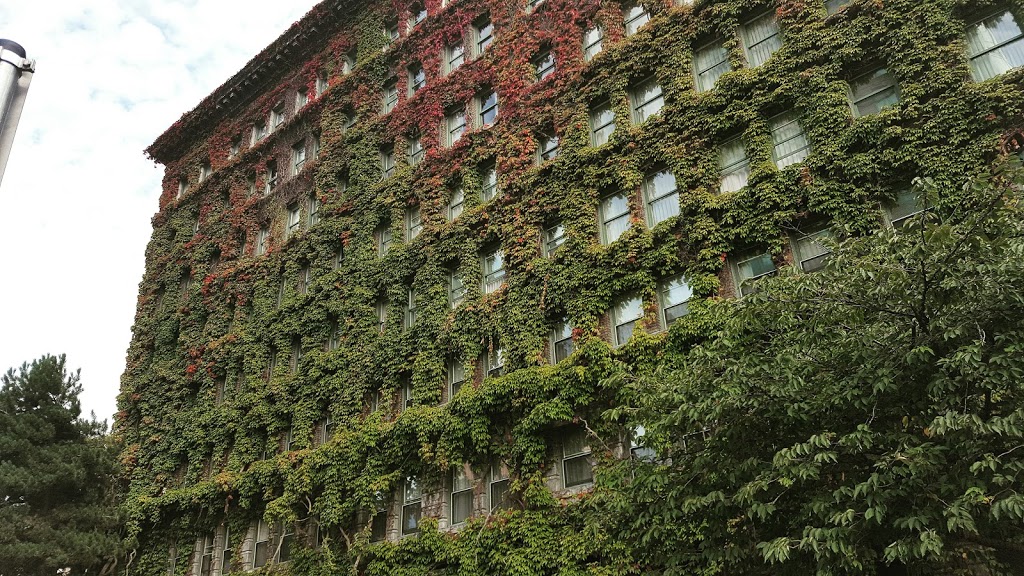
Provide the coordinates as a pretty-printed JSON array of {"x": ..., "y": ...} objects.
[{"x": 78, "y": 194}]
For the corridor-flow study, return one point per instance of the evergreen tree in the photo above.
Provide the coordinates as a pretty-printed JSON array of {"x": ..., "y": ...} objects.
[
  {"x": 57, "y": 476},
  {"x": 865, "y": 419}
]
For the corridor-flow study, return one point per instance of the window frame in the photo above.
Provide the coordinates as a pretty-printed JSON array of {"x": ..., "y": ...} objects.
[
  {"x": 589, "y": 44},
  {"x": 746, "y": 286},
  {"x": 456, "y": 294},
  {"x": 617, "y": 322},
  {"x": 636, "y": 105},
  {"x": 483, "y": 34},
  {"x": 455, "y": 209},
  {"x": 862, "y": 80},
  {"x": 455, "y": 383},
  {"x": 629, "y": 23},
  {"x": 492, "y": 278},
  {"x": 412, "y": 506},
  {"x": 455, "y": 126},
  {"x": 665, "y": 286},
  {"x": 775, "y": 124},
  {"x": 585, "y": 453},
  {"x": 561, "y": 332},
  {"x": 489, "y": 189},
  {"x": 598, "y": 113},
  {"x": 744, "y": 32},
  {"x": 460, "y": 490},
  {"x": 413, "y": 222},
  {"x": 544, "y": 64},
  {"x": 606, "y": 218},
  {"x": 737, "y": 167},
  {"x": 971, "y": 58},
  {"x": 485, "y": 107},
  {"x": 650, "y": 188},
  {"x": 552, "y": 238}
]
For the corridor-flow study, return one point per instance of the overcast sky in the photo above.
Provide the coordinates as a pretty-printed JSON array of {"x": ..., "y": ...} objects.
[{"x": 78, "y": 194}]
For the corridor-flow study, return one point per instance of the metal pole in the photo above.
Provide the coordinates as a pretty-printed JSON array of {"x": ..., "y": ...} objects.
[{"x": 16, "y": 72}]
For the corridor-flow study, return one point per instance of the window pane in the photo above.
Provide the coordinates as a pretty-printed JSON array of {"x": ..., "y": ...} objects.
[
  {"x": 489, "y": 184},
  {"x": 462, "y": 506},
  {"x": 624, "y": 316},
  {"x": 873, "y": 92},
  {"x": 647, "y": 101},
  {"x": 662, "y": 197},
  {"x": 635, "y": 17},
  {"x": 578, "y": 471},
  {"x": 994, "y": 46},
  {"x": 761, "y": 39},
  {"x": 592, "y": 43},
  {"x": 675, "y": 294},
  {"x": 602, "y": 124},
  {"x": 751, "y": 269},
  {"x": 710, "y": 63},
  {"x": 615, "y": 216},
  {"x": 735, "y": 167},
  {"x": 499, "y": 494},
  {"x": 488, "y": 109},
  {"x": 411, "y": 518},
  {"x": 455, "y": 206},
  {"x": 553, "y": 238},
  {"x": 813, "y": 255},
  {"x": 833, "y": 6},
  {"x": 791, "y": 145}
]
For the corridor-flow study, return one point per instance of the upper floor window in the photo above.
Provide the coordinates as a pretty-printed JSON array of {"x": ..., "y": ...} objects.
[
  {"x": 487, "y": 104},
  {"x": 494, "y": 362},
  {"x": 548, "y": 149},
  {"x": 809, "y": 250},
  {"x": 791, "y": 145},
  {"x": 390, "y": 33},
  {"x": 907, "y": 205},
  {"x": 272, "y": 177},
  {"x": 348, "y": 62},
  {"x": 614, "y": 213},
  {"x": 872, "y": 92},
  {"x": 302, "y": 98},
  {"x": 675, "y": 294},
  {"x": 416, "y": 150},
  {"x": 206, "y": 551},
  {"x": 298, "y": 157},
  {"x": 321, "y": 84},
  {"x": 455, "y": 123},
  {"x": 277, "y": 117},
  {"x": 182, "y": 187},
  {"x": 561, "y": 342},
  {"x": 417, "y": 14},
  {"x": 390, "y": 96},
  {"x": 409, "y": 314},
  {"x": 412, "y": 502},
  {"x": 417, "y": 78},
  {"x": 833, "y": 6},
  {"x": 533, "y": 4},
  {"x": 205, "y": 171},
  {"x": 483, "y": 32},
  {"x": 554, "y": 236},
  {"x": 382, "y": 324},
  {"x": 387, "y": 162},
  {"x": 635, "y": 16},
  {"x": 456, "y": 376},
  {"x": 734, "y": 166},
  {"x": 462, "y": 496},
  {"x": 494, "y": 271},
  {"x": 761, "y": 38},
  {"x": 294, "y": 220},
  {"x": 262, "y": 241},
  {"x": 259, "y": 131},
  {"x": 647, "y": 100},
  {"x": 456, "y": 289},
  {"x": 413, "y": 223},
  {"x": 751, "y": 268},
  {"x": 626, "y": 313},
  {"x": 489, "y": 182},
  {"x": 602, "y": 124},
  {"x": 455, "y": 56},
  {"x": 497, "y": 487},
  {"x": 661, "y": 197},
  {"x": 994, "y": 45},
  {"x": 577, "y": 469},
  {"x": 544, "y": 64},
  {"x": 709, "y": 63},
  {"x": 592, "y": 43},
  {"x": 314, "y": 208},
  {"x": 456, "y": 204},
  {"x": 262, "y": 552},
  {"x": 384, "y": 238},
  {"x": 236, "y": 147}
]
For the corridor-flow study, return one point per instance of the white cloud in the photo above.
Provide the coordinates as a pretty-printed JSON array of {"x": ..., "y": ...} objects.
[{"x": 78, "y": 194}]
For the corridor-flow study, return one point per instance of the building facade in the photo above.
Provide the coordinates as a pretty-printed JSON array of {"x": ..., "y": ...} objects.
[{"x": 401, "y": 255}]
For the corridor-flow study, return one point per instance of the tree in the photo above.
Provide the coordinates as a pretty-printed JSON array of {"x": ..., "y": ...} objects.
[
  {"x": 57, "y": 476},
  {"x": 865, "y": 419}
]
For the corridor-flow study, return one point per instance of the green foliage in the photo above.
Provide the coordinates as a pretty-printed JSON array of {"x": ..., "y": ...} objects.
[
  {"x": 57, "y": 476},
  {"x": 870, "y": 414}
]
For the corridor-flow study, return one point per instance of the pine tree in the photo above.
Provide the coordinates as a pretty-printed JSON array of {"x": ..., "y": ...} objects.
[{"x": 57, "y": 476}]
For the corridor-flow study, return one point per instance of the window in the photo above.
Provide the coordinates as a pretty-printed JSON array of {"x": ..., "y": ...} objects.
[
  {"x": 462, "y": 496},
  {"x": 456, "y": 204},
  {"x": 456, "y": 125},
  {"x": 227, "y": 553},
  {"x": 810, "y": 253},
  {"x": 387, "y": 163},
  {"x": 327, "y": 430},
  {"x": 339, "y": 257},
  {"x": 382, "y": 314},
  {"x": 761, "y": 38},
  {"x": 206, "y": 556},
  {"x": 494, "y": 362},
  {"x": 298, "y": 157},
  {"x": 182, "y": 187},
  {"x": 602, "y": 124},
  {"x": 259, "y": 131},
  {"x": 647, "y": 100},
  {"x": 384, "y": 239},
  {"x": 456, "y": 376},
  {"x": 791, "y": 146},
  {"x": 994, "y": 46},
  {"x": 411, "y": 506},
  {"x": 272, "y": 177},
  {"x": 907, "y": 205},
  {"x": 635, "y": 16},
  {"x": 614, "y": 212},
  {"x": 276, "y": 117},
  {"x": 751, "y": 268},
  {"x": 626, "y": 313},
  {"x": 284, "y": 552},
  {"x": 561, "y": 342},
  {"x": 483, "y": 34},
  {"x": 554, "y": 236},
  {"x": 416, "y": 151},
  {"x": 348, "y": 62},
  {"x": 236, "y": 147},
  {"x": 417, "y": 14},
  {"x": 833, "y": 6},
  {"x": 172, "y": 560},
  {"x": 315, "y": 145},
  {"x": 334, "y": 340},
  {"x": 409, "y": 312},
  {"x": 872, "y": 92},
  {"x": 390, "y": 96},
  {"x": 489, "y": 182},
  {"x": 494, "y": 271},
  {"x": 592, "y": 43},
  {"x": 576, "y": 467},
  {"x": 379, "y": 522},
  {"x": 661, "y": 197},
  {"x": 544, "y": 64},
  {"x": 417, "y": 78},
  {"x": 204, "y": 171},
  {"x": 497, "y": 487},
  {"x": 261, "y": 557},
  {"x": 456, "y": 289},
  {"x": 734, "y": 166},
  {"x": 294, "y": 220},
  {"x": 487, "y": 104},
  {"x": 321, "y": 84},
  {"x": 314, "y": 208},
  {"x": 301, "y": 98},
  {"x": 407, "y": 396},
  {"x": 533, "y": 4},
  {"x": 305, "y": 277},
  {"x": 709, "y": 63},
  {"x": 455, "y": 56},
  {"x": 675, "y": 294},
  {"x": 390, "y": 33},
  {"x": 261, "y": 243},
  {"x": 413, "y": 223},
  {"x": 548, "y": 147}
]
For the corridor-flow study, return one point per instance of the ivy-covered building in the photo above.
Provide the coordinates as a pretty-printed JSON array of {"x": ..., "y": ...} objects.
[{"x": 403, "y": 256}]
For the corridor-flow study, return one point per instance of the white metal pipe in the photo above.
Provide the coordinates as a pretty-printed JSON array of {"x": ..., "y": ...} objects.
[{"x": 16, "y": 72}]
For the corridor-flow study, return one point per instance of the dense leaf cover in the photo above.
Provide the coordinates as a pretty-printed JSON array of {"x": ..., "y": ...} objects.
[{"x": 57, "y": 477}]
